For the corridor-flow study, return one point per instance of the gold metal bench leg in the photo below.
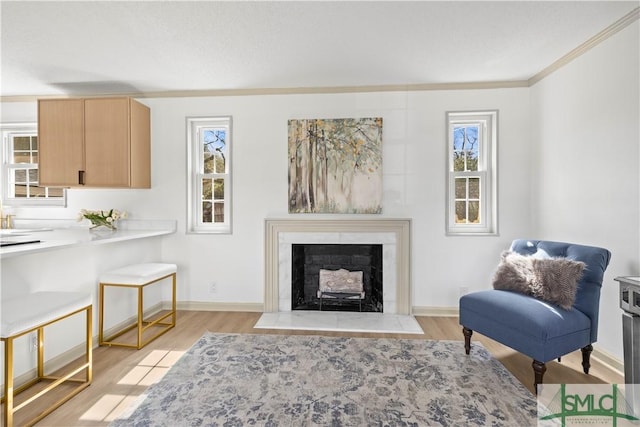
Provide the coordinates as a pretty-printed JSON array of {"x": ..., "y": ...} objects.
[
  {"x": 140, "y": 315},
  {"x": 40, "y": 345},
  {"x": 8, "y": 382},
  {"x": 89, "y": 344},
  {"x": 173, "y": 303},
  {"x": 101, "y": 316}
]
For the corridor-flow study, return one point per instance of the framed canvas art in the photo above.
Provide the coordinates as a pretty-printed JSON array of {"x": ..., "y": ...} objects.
[{"x": 335, "y": 166}]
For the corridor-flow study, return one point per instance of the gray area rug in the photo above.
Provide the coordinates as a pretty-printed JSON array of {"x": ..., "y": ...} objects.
[{"x": 276, "y": 380}]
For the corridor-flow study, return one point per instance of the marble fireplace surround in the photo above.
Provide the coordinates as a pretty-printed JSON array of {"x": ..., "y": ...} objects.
[{"x": 393, "y": 234}]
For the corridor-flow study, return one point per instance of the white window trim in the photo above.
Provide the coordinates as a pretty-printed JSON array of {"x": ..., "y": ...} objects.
[
  {"x": 194, "y": 181},
  {"x": 16, "y": 128},
  {"x": 488, "y": 173}
]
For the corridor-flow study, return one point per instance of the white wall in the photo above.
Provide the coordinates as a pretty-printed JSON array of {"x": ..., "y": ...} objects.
[
  {"x": 585, "y": 127},
  {"x": 413, "y": 180},
  {"x": 413, "y": 177}
]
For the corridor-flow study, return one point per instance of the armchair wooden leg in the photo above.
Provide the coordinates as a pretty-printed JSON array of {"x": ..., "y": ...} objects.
[
  {"x": 586, "y": 356},
  {"x": 539, "y": 369},
  {"x": 467, "y": 339}
]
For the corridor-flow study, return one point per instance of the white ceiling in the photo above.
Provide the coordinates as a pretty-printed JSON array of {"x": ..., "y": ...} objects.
[{"x": 91, "y": 47}]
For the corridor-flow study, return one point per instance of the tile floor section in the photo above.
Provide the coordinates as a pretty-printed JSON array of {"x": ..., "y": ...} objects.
[{"x": 340, "y": 321}]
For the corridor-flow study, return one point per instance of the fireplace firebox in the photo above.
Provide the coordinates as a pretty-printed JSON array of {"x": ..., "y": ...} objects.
[{"x": 308, "y": 259}]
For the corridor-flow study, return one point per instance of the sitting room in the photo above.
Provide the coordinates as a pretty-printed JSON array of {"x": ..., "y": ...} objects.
[{"x": 316, "y": 213}]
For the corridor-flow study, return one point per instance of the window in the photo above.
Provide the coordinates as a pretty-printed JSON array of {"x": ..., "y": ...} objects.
[
  {"x": 20, "y": 183},
  {"x": 209, "y": 154},
  {"x": 472, "y": 181}
]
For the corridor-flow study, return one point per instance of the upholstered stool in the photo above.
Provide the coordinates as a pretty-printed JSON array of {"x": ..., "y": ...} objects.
[
  {"x": 138, "y": 276},
  {"x": 32, "y": 313}
]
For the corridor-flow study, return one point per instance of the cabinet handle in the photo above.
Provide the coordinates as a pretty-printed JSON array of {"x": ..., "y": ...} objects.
[{"x": 81, "y": 177}]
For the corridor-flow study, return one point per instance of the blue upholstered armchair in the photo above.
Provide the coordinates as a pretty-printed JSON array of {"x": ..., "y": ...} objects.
[{"x": 541, "y": 330}]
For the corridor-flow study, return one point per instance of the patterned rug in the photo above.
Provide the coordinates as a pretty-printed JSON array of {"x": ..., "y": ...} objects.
[{"x": 276, "y": 380}]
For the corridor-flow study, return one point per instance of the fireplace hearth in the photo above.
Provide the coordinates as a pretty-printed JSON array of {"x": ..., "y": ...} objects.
[{"x": 309, "y": 259}]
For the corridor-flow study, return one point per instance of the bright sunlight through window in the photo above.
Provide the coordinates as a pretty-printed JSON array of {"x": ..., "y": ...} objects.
[{"x": 149, "y": 371}]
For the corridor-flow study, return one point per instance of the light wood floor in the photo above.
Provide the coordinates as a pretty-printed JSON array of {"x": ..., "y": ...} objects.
[{"x": 120, "y": 374}]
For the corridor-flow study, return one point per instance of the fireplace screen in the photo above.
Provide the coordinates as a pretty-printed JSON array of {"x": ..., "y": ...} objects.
[
  {"x": 342, "y": 285},
  {"x": 360, "y": 265}
]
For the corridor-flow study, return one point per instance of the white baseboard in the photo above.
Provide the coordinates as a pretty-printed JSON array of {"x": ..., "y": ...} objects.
[
  {"x": 609, "y": 360},
  {"x": 217, "y": 306},
  {"x": 435, "y": 311}
]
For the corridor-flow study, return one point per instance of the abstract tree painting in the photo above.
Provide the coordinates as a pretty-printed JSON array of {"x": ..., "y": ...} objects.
[{"x": 335, "y": 166}]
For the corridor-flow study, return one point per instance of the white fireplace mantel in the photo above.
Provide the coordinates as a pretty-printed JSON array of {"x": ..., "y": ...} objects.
[{"x": 394, "y": 234}]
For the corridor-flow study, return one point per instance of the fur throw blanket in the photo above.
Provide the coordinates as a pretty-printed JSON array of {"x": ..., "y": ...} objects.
[{"x": 550, "y": 279}]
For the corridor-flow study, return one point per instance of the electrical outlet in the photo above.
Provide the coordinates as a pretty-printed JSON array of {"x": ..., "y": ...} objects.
[
  {"x": 34, "y": 342},
  {"x": 212, "y": 288}
]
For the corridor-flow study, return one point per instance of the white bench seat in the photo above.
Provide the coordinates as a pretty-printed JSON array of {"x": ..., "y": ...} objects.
[
  {"x": 23, "y": 313},
  {"x": 138, "y": 276},
  {"x": 33, "y": 312}
]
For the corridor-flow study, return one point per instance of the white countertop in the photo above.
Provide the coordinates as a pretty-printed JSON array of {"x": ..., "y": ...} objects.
[{"x": 56, "y": 235}]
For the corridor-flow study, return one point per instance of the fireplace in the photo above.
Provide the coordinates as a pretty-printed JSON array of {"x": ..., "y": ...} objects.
[
  {"x": 308, "y": 259},
  {"x": 393, "y": 235}
]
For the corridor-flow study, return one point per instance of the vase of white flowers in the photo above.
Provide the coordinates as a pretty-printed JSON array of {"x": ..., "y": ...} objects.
[{"x": 102, "y": 218}]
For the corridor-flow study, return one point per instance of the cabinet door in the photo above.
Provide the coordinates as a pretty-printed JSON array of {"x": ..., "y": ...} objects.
[
  {"x": 107, "y": 155},
  {"x": 61, "y": 141},
  {"x": 140, "y": 145}
]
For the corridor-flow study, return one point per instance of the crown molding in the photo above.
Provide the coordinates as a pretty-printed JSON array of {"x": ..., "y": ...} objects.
[
  {"x": 603, "y": 35},
  {"x": 285, "y": 91}
]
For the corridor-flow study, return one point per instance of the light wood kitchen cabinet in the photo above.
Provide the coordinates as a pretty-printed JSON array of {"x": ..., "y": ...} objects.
[
  {"x": 94, "y": 142},
  {"x": 61, "y": 141}
]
